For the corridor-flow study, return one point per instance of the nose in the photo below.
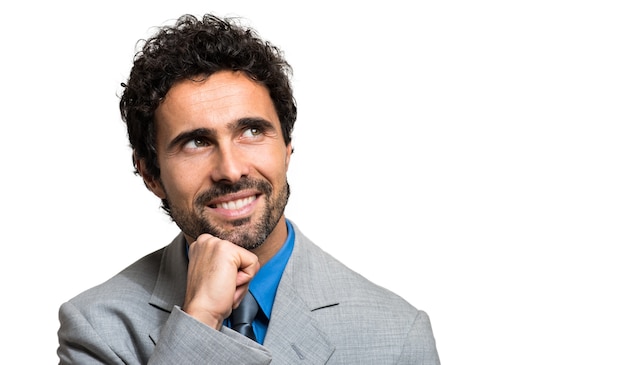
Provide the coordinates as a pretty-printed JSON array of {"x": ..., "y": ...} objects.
[{"x": 231, "y": 164}]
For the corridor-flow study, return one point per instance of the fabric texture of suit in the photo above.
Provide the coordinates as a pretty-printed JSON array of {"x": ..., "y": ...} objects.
[{"x": 324, "y": 313}]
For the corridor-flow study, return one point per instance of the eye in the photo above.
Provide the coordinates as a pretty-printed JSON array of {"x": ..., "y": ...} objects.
[
  {"x": 195, "y": 143},
  {"x": 252, "y": 132}
]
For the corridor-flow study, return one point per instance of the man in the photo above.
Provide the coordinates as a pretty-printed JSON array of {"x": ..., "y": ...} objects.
[{"x": 210, "y": 112}]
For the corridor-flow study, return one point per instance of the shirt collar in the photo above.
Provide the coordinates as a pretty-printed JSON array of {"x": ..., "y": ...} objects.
[{"x": 265, "y": 283}]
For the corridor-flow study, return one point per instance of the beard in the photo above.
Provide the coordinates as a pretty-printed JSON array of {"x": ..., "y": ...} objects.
[{"x": 193, "y": 223}]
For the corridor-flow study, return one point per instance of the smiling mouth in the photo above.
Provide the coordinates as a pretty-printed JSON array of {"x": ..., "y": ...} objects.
[{"x": 235, "y": 204}]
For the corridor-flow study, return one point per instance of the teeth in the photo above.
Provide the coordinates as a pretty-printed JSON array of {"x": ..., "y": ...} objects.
[{"x": 236, "y": 204}]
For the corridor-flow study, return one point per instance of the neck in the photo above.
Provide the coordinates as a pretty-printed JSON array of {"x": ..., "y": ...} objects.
[{"x": 273, "y": 243}]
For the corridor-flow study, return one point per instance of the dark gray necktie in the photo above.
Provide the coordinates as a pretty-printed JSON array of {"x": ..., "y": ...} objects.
[{"x": 241, "y": 318}]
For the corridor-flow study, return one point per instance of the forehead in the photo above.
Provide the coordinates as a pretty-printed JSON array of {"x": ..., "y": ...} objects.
[{"x": 223, "y": 97}]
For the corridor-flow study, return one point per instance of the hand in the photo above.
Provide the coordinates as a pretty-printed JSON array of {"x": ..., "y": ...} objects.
[{"x": 217, "y": 279}]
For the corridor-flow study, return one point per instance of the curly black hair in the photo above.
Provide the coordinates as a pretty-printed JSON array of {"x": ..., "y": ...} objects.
[{"x": 193, "y": 48}]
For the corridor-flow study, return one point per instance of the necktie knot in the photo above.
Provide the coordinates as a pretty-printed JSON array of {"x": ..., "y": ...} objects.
[{"x": 241, "y": 318}]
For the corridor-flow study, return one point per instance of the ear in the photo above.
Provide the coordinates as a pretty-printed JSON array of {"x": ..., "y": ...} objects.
[
  {"x": 153, "y": 184},
  {"x": 288, "y": 155}
]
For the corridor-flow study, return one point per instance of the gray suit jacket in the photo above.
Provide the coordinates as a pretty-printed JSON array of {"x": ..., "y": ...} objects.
[{"x": 324, "y": 313}]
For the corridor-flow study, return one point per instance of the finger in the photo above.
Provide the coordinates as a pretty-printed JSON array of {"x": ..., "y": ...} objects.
[
  {"x": 240, "y": 293},
  {"x": 248, "y": 267}
]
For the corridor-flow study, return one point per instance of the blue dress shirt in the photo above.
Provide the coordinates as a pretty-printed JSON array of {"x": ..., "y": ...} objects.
[{"x": 265, "y": 284}]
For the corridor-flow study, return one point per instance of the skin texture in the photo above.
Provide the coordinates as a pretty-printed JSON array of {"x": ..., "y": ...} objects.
[{"x": 224, "y": 164}]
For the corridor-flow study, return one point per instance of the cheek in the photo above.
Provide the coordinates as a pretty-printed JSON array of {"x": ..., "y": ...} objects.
[
  {"x": 180, "y": 182},
  {"x": 275, "y": 170}
]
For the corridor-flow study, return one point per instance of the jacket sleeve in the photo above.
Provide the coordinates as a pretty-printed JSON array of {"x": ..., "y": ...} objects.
[
  {"x": 182, "y": 340},
  {"x": 79, "y": 342},
  {"x": 420, "y": 347}
]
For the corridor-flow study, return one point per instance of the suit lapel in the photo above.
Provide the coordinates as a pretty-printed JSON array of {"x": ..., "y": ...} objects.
[
  {"x": 171, "y": 283},
  {"x": 294, "y": 336}
]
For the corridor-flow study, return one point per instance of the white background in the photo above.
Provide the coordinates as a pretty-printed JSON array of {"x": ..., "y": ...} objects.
[{"x": 469, "y": 155}]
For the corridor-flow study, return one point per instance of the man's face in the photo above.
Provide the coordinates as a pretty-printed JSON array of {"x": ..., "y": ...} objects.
[{"x": 223, "y": 159}]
